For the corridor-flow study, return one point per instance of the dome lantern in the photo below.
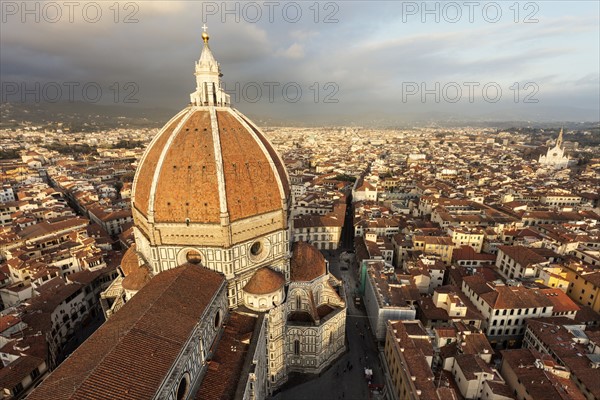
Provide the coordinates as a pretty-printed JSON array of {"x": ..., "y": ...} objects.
[{"x": 209, "y": 91}]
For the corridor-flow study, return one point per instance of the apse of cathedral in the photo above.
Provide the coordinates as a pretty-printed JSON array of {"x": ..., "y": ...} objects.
[{"x": 214, "y": 300}]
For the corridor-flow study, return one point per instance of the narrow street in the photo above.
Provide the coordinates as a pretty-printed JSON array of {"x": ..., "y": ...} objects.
[{"x": 81, "y": 335}]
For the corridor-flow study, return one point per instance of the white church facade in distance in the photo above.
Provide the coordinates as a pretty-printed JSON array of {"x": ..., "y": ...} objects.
[{"x": 555, "y": 157}]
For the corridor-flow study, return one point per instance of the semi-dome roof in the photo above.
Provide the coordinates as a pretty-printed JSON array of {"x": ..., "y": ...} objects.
[
  {"x": 307, "y": 263},
  {"x": 137, "y": 279},
  {"x": 208, "y": 165},
  {"x": 265, "y": 281}
]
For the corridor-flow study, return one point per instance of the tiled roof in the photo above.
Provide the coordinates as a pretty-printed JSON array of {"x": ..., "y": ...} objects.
[
  {"x": 18, "y": 370},
  {"x": 560, "y": 300},
  {"x": 471, "y": 364},
  {"x": 50, "y": 227},
  {"x": 264, "y": 281},
  {"x": 187, "y": 180},
  {"x": 129, "y": 262},
  {"x": 307, "y": 263},
  {"x": 557, "y": 336},
  {"x": 137, "y": 279},
  {"x": 7, "y": 321},
  {"x": 522, "y": 255},
  {"x": 468, "y": 253},
  {"x": 227, "y": 362},
  {"x": 506, "y": 297},
  {"x": 539, "y": 384},
  {"x": 129, "y": 356}
]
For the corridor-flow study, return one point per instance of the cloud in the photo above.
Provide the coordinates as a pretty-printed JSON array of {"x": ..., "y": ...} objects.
[
  {"x": 367, "y": 54},
  {"x": 294, "y": 52},
  {"x": 300, "y": 34}
]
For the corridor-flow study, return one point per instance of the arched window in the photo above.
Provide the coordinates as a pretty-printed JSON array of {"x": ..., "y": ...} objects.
[{"x": 296, "y": 347}]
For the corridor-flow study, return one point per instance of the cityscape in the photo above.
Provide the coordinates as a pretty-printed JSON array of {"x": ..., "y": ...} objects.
[{"x": 359, "y": 235}]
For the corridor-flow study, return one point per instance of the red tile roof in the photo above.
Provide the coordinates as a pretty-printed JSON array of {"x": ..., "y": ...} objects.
[
  {"x": 130, "y": 355},
  {"x": 183, "y": 163},
  {"x": 18, "y": 370},
  {"x": 225, "y": 368},
  {"x": 307, "y": 263},
  {"x": 265, "y": 281}
]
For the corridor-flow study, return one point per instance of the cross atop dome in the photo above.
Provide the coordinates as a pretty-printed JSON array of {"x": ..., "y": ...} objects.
[
  {"x": 205, "y": 34},
  {"x": 208, "y": 79}
]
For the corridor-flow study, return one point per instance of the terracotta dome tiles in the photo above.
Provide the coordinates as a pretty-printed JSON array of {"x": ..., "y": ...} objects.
[
  {"x": 250, "y": 183},
  {"x": 149, "y": 163},
  {"x": 129, "y": 262},
  {"x": 274, "y": 157},
  {"x": 137, "y": 279},
  {"x": 188, "y": 185},
  {"x": 264, "y": 281},
  {"x": 307, "y": 263}
]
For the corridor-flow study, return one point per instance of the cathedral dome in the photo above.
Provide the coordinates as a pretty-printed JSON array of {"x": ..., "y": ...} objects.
[
  {"x": 207, "y": 162},
  {"x": 208, "y": 167}
]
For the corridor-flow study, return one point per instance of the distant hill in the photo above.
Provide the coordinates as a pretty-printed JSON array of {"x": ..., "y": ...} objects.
[
  {"x": 87, "y": 117},
  {"x": 80, "y": 116}
]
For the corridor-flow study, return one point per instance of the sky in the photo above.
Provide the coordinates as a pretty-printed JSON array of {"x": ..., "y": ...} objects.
[{"x": 334, "y": 61}]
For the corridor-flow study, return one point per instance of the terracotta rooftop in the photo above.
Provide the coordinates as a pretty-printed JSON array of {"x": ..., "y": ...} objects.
[
  {"x": 129, "y": 262},
  {"x": 476, "y": 343},
  {"x": 539, "y": 384},
  {"x": 522, "y": 255},
  {"x": 468, "y": 253},
  {"x": 137, "y": 278},
  {"x": 557, "y": 335},
  {"x": 225, "y": 368},
  {"x": 7, "y": 321},
  {"x": 307, "y": 263},
  {"x": 136, "y": 339},
  {"x": 471, "y": 364},
  {"x": 18, "y": 370},
  {"x": 506, "y": 297},
  {"x": 415, "y": 362},
  {"x": 52, "y": 226},
  {"x": 265, "y": 281},
  {"x": 560, "y": 300}
]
